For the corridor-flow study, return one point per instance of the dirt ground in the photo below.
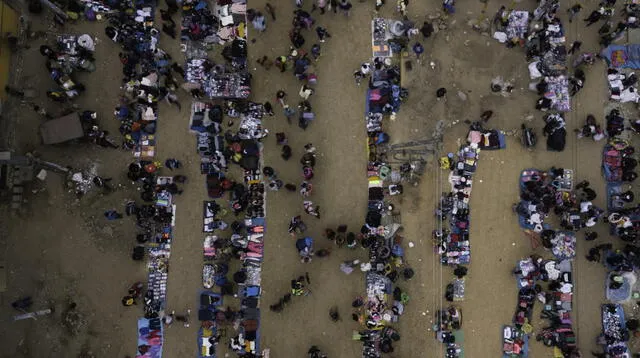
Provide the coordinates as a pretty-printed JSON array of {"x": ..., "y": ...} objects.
[{"x": 60, "y": 250}]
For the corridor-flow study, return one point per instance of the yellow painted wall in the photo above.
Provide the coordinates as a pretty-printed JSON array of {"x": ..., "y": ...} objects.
[{"x": 8, "y": 24}]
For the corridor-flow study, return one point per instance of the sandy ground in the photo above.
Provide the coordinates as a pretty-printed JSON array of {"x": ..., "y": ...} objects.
[{"x": 60, "y": 250}]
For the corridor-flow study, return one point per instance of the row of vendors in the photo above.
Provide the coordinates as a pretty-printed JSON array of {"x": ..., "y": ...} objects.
[
  {"x": 228, "y": 84},
  {"x": 384, "y": 303},
  {"x": 147, "y": 80}
]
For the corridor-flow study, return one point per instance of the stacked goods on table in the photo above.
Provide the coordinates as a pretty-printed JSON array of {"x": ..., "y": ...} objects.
[{"x": 614, "y": 331}]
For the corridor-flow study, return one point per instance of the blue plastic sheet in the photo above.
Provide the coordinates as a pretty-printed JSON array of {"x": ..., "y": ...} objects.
[{"x": 622, "y": 56}]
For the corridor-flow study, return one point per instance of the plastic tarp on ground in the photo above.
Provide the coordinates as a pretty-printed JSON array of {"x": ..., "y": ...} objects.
[
  {"x": 622, "y": 56},
  {"x": 61, "y": 129}
]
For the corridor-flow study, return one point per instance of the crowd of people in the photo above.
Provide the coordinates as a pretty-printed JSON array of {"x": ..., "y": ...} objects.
[{"x": 221, "y": 90}]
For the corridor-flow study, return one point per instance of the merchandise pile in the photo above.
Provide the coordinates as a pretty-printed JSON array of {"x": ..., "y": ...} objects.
[
  {"x": 542, "y": 36},
  {"x": 202, "y": 29},
  {"x": 541, "y": 193},
  {"x": 614, "y": 331}
]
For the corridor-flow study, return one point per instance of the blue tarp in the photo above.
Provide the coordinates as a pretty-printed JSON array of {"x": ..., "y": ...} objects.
[{"x": 622, "y": 56}]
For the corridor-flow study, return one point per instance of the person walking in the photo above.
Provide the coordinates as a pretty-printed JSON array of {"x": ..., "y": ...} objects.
[
  {"x": 575, "y": 47},
  {"x": 418, "y": 49},
  {"x": 112, "y": 215},
  {"x": 345, "y": 7},
  {"x": 573, "y": 11},
  {"x": 322, "y": 33},
  {"x": 320, "y": 4}
]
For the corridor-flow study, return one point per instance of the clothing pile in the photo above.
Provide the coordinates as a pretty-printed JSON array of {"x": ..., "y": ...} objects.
[
  {"x": 232, "y": 17},
  {"x": 198, "y": 23},
  {"x": 228, "y": 85},
  {"x": 517, "y": 27},
  {"x": 74, "y": 53},
  {"x": 150, "y": 338},
  {"x": 623, "y": 86},
  {"x": 448, "y": 331},
  {"x": 614, "y": 331},
  {"x": 454, "y": 247},
  {"x": 487, "y": 139},
  {"x": 618, "y": 167},
  {"x": 208, "y": 315},
  {"x": 564, "y": 245},
  {"x": 556, "y": 132},
  {"x": 547, "y": 57},
  {"x": 558, "y": 306},
  {"x": 380, "y": 35}
]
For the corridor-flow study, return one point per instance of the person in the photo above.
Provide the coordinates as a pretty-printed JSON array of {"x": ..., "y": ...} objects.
[
  {"x": 296, "y": 225},
  {"x": 306, "y": 92},
  {"x": 305, "y": 189},
  {"x": 309, "y": 209},
  {"x": 268, "y": 109},
  {"x": 310, "y": 148},
  {"x": 169, "y": 30},
  {"x": 290, "y": 187},
  {"x": 269, "y": 173},
  {"x": 590, "y": 235},
  {"x": 573, "y": 11},
  {"x": 358, "y": 76},
  {"x": 265, "y": 62},
  {"x": 280, "y": 97},
  {"x": 168, "y": 319},
  {"x": 334, "y": 314},
  {"x": 322, "y": 33},
  {"x": 320, "y": 4},
  {"x": 286, "y": 152},
  {"x": 129, "y": 300},
  {"x": 101, "y": 182},
  {"x": 275, "y": 185},
  {"x": 315, "y": 51},
  {"x": 281, "y": 63},
  {"x": 441, "y": 92},
  {"x": 418, "y": 49},
  {"x": 172, "y": 164},
  {"x": 112, "y": 215},
  {"x": 297, "y": 40},
  {"x": 270, "y": 10},
  {"x": 594, "y": 17},
  {"x": 449, "y": 6},
  {"x": 629, "y": 176},
  {"x": 345, "y": 7},
  {"x": 575, "y": 47},
  {"x": 281, "y": 138},
  {"x": 259, "y": 22},
  {"x": 426, "y": 29}
]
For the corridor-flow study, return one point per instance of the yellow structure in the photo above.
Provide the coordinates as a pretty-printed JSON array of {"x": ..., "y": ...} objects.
[{"x": 9, "y": 21}]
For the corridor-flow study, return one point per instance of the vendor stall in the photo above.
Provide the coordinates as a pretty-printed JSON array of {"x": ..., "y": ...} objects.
[
  {"x": 150, "y": 338},
  {"x": 380, "y": 36},
  {"x": 614, "y": 331}
]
